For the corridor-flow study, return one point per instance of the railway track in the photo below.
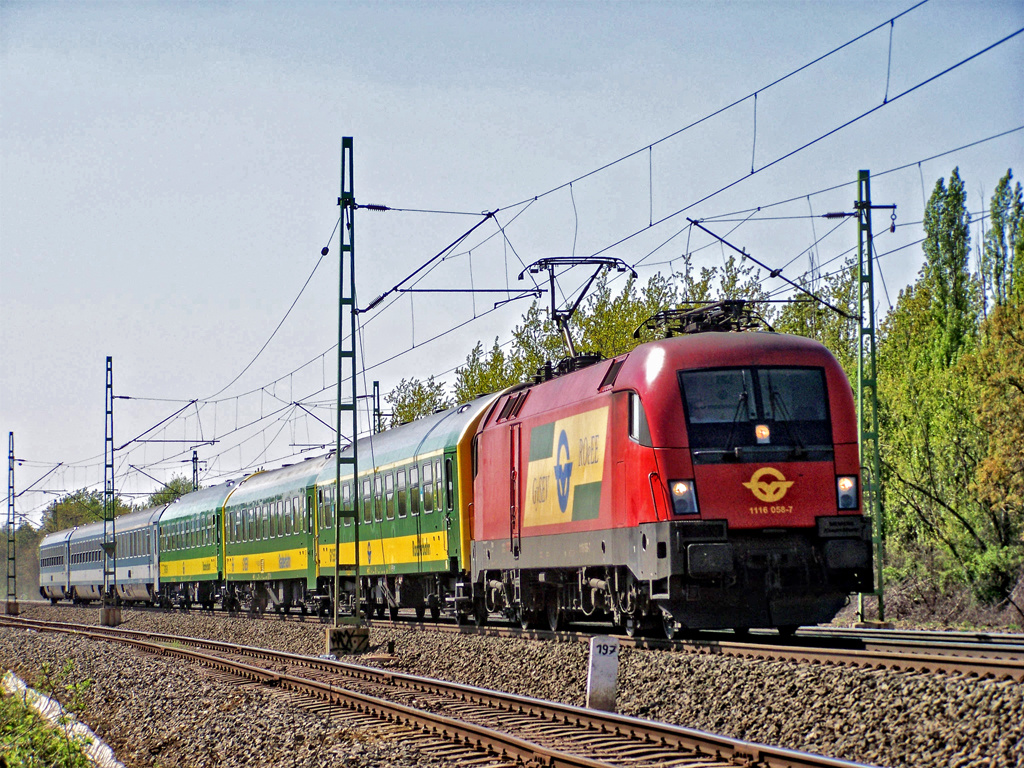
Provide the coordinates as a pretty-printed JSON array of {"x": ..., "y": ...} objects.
[
  {"x": 467, "y": 724},
  {"x": 984, "y": 655}
]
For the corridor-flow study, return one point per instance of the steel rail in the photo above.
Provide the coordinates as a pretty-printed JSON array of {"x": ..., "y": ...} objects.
[
  {"x": 646, "y": 733},
  {"x": 991, "y": 655}
]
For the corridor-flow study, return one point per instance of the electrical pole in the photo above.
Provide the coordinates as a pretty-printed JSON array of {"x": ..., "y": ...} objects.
[
  {"x": 12, "y": 562},
  {"x": 867, "y": 386},
  {"x": 354, "y": 636},
  {"x": 110, "y": 613}
]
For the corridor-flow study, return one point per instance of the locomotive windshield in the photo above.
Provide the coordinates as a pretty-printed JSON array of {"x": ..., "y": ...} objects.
[{"x": 756, "y": 414}]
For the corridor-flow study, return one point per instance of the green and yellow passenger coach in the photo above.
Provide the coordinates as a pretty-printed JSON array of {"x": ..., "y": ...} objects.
[
  {"x": 270, "y": 539},
  {"x": 414, "y": 500},
  {"x": 190, "y": 553}
]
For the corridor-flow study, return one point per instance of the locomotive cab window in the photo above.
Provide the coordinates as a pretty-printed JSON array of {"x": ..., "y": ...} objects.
[{"x": 757, "y": 414}]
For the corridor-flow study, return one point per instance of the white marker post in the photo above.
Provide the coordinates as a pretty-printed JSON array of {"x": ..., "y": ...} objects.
[{"x": 603, "y": 673}]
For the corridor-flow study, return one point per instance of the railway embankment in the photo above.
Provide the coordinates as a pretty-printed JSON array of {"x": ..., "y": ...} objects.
[{"x": 874, "y": 716}]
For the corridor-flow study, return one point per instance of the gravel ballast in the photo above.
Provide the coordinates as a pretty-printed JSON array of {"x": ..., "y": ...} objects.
[{"x": 872, "y": 716}]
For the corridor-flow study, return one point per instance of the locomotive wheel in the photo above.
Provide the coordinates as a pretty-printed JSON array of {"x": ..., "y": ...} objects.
[
  {"x": 741, "y": 631},
  {"x": 380, "y": 611},
  {"x": 421, "y": 611},
  {"x": 631, "y": 625},
  {"x": 479, "y": 613},
  {"x": 788, "y": 630},
  {"x": 525, "y": 618},
  {"x": 393, "y": 612},
  {"x": 435, "y": 612}
]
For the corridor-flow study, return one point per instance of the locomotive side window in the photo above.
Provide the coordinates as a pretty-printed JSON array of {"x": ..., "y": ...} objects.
[{"x": 638, "y": 428}]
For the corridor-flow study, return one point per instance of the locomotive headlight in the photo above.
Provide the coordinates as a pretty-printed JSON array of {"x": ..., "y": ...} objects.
[
  {"x": 846, "y": 488},
  {"x": 762, "y": 433},
  {"x": 684, "y": 497}
]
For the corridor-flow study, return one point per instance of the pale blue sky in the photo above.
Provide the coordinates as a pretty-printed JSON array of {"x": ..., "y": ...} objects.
[{"x": 169, "y": 173}]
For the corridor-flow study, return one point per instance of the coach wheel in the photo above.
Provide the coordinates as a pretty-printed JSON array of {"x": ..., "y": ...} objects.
[
  {"x": 435, "y": 612},
  {"x": 380, "y": 611},
  {"x": 788, "y": 630},
  {"x": 631, "y": 625},
  {"x": 553, "y": 612},
  {"x": 421, "y": 611},
  {"x": 393, "y": 612},
  {"x": 54, "y": 600},
  {"x": 741, "y": 631}
]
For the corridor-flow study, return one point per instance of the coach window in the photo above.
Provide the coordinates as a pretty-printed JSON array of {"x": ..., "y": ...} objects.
[
  {"x": 389, "y": 495},
  {"x": 638, "y": 429},
  {"x": 438, "y": 489},
  {"x": 402, "y": 503},
  {"x": 250, "y": 523},
  {"x": 367, "y": 501},
  {"x": 378, "y": 498},
  {"x": 449, "y": 485},
  {"x": 346, "y": 502},
  {"x": 428, "y": 488},
  {"x": 414, "y": 490}
]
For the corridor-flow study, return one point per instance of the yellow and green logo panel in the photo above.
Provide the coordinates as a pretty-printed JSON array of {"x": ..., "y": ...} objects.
[{"x": 563, "y": 481}]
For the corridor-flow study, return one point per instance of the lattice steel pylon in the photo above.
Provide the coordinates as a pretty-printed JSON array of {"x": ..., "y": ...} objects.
[
  {"x": 109, "y": 614},
  {"x": 12, "y": 559},
  {"x": 347, "y": 311},
  {"x": 867, "y": 386}
]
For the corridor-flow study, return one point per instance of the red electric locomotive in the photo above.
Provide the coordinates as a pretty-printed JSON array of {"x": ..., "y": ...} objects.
[{"x": 707, "y": 480}]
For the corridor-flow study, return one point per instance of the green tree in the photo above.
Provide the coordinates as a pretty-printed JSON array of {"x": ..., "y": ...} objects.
[
  {"x": 954, "y": 304},
  {"x": 78, "y": 508},
  {"x": 413, "y": 398},
  {"x": 1002, "y": 261},
  {"x": 483, "y": 373},
  {"x": 949, "y": 407},
  {"x": 177, "y": 487}
]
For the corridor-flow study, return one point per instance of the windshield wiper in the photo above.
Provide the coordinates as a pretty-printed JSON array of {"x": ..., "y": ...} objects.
[
  {"x": 798, "y": 450},
  {"x": 736, "y": 452}
]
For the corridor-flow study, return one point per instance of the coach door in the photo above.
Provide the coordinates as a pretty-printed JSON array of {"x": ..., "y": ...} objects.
[{"x": 515, "y": 512}]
